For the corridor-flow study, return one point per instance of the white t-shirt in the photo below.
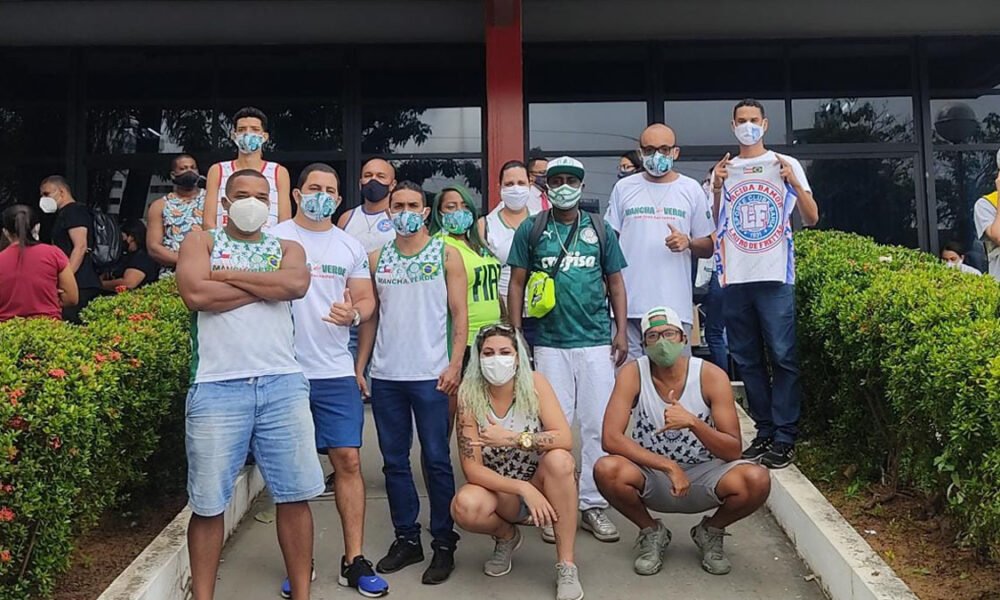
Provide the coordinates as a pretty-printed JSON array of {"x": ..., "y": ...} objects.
[
  {"x": 642, "y": 211},
  {"x": 332, "y": 257},
  {"x": 754, "y": 237},
  {"x": 984, "y": 213}
]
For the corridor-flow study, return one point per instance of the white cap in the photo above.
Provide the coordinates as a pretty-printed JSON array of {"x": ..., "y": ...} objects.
[
  {"x": 565, "y": 165},
  {"x": 660, "y": 315}
]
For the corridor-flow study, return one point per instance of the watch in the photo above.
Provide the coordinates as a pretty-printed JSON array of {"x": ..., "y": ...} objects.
[
  {"x": 526, "y": 441},
  {"x": 357, "y": 318}
]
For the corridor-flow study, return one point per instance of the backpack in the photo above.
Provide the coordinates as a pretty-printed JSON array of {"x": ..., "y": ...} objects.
[
  {"x": 106, "y": 237},
  {"x": 596, "y": 221}
]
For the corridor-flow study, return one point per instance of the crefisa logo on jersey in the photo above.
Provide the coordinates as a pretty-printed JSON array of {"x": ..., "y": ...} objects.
[{"x": 757, "y": 209}]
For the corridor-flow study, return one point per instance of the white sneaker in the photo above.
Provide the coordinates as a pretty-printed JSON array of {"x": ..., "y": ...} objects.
[
  {"x": 596, "y": 521},
  {"x": 568, "y": 582}
]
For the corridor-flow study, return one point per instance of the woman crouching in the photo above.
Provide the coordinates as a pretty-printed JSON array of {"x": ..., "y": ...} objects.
[{"x": 515, "y": 449}]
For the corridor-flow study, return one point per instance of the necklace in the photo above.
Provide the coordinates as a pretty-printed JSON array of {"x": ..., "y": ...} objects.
[{"x": 576, "y": 236}]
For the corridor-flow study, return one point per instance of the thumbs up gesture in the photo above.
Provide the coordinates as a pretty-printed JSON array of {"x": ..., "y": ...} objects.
[
  {"x": 677, "y": 241},
  {"x": 675, "y": 416},
  {"x": 342, "y": 313}
]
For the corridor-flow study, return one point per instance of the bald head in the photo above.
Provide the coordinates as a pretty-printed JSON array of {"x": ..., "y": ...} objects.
[
  {"x": 375, "y": 166},
  {"x": 656, "y": 136},
  {"x": 378, "y": 178}
]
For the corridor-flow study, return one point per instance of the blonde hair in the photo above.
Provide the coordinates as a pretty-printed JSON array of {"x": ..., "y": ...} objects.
[{"x": 474, "y": 393}]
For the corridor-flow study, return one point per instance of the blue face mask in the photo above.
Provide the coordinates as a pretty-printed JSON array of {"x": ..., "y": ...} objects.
[
  {"x": 657, "y": 164},
  {"x": 248, "y": 143},
  {"x": 318, "y": 206},
  {"x": 407, "y": 222},
  {"x": 457, "y": 222}
]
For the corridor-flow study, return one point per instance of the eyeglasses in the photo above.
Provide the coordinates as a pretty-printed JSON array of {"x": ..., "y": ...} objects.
[
  {"x": 648, "y": 150},
  {"x": 671, "y": 335}
]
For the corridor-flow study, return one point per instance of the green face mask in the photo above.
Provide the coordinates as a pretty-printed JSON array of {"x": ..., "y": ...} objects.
[{"x": 665, "y": 353}]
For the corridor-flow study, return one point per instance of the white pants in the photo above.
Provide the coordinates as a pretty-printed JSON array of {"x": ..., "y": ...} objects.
[
  {"x": 636, "y": 343},
  {"x": 583, "y": 379}
]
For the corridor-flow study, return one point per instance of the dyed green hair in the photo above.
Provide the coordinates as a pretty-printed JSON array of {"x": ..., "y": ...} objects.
[
  {"x": 472, "y": 235},
  {"x": 474, "y": 393}
]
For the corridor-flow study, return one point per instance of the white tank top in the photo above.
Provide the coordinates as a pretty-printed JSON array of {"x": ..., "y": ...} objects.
[
  {"x": 500, "y": 237},
  {"x": 679, "y": 446},
  {"x": 414, "y": 325},
  {"x": 269, "y": 171},
  {"x": 513, "y": 462},
  {"x": 249, "y": 341},
  {"x": 372, "y": 230}
]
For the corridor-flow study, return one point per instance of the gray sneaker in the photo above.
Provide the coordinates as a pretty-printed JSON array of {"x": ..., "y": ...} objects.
[
  {"x": 548, "y": 535},
  {"x": 597, "y": 522},
  {"x": 568, "y": 582},
  {"x": 652, "y": 544},
  {"x": 709, "y": 541},
  {"x": 500, "y": 563}
]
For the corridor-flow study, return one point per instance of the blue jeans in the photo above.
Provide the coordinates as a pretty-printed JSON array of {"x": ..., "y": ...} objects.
[
  {"x": 715, "y": 325},
  {"x": 759, "y": 314},
  {"x": 395, "y": 405}
]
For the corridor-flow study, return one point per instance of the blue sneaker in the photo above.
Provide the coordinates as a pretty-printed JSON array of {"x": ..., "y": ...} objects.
[
  {"x": 286, "y": 586},
  {"x": 360, "y": 576}
]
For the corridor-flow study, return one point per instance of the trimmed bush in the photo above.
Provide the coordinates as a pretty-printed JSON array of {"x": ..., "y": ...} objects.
[
  {"x": 81, "y": 410},
  {"x": 901, "y": 372}
]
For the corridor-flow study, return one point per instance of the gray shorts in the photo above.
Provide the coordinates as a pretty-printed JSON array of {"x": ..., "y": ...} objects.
[{"x": 657, "y": 493}]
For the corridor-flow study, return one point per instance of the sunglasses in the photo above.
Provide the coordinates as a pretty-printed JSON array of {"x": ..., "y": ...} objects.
[{"x": 501, "y": 328}]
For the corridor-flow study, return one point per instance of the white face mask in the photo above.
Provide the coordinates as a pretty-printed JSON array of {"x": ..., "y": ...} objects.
[
  {"x": 248, "y": 214},
  {"x": 498, "y": 369},
  {"x": 748, "y": 133},
  {"x": 48, "y": 204},
  {"x": 953, "y": 264},
  {"x": 515, "y": 197}
]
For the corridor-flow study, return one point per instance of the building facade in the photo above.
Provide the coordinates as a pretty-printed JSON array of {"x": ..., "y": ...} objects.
[{"x": 893, "y": 106}]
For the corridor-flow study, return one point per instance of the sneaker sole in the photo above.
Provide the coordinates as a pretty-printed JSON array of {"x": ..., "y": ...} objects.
[
  {"x": 342, "y": 582},
  {"x": 775, "y": 467},
  {"x": 600, "y": 536},
  {"x": 511, "y": 565},
  {"x": 380, "y": 569},
  {"x": 580, "y": 597},
  {"x": 547, "y": 539},
  {"x": 704, "y": 565},
  {"x": 289, "y": 595}
]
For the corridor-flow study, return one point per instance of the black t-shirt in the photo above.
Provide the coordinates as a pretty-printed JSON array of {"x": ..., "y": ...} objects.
[
  {"x": 141, "y": 260},
  {"x": 71, "y": 216}
]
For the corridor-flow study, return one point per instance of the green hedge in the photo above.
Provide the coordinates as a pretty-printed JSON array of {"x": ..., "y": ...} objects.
[
  {"x": 901, "y": 371},
  {"x": 82, "y": 408}
]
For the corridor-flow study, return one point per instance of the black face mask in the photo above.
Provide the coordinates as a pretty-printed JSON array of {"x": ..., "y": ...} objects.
[
  {"x": 374, "y": 190},
  {"x": 189, "y": 180},
  {"x": 541, "y": 181}
]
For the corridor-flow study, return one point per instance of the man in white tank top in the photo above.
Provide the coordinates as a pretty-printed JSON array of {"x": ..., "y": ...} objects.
[
  {"x": 422, "y": 324},
  {"x": 248, "y": 392},
  {"x": 684, "y": 452},
  {"x": 369, "y": 223},
  {"x": 249, "y": 134}
]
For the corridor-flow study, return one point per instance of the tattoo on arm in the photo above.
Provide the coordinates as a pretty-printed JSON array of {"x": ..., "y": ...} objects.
[
  {"x": 542, "y": 439},
  {"x": 465, "y": 444}
]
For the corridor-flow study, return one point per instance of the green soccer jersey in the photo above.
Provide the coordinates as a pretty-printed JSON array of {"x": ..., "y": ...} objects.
[{"x": 580, "y": 318}]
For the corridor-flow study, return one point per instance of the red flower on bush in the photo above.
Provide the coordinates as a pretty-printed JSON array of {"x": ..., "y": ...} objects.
[
  {"x": 14, "y": 396},
  {"x": 115, "y": 355},
  {"x": 4, "y": 556},
  {"x": 7, "y": 489},
  {"x": 121, "y": 289},
  {"x": 18, "y": 423},
  {"x": 135, "y": 362},
  {"x": 100, "y": 357},
  {"x": 6, "y": 515},
  {"x": 55, "y": 443},
  {"x": 57, "y": 373},
  {"x": 116, "y": 340},
  {"x": 143, "y": 316}
]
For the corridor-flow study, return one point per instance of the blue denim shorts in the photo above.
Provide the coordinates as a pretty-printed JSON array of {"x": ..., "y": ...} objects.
[
  {"x": 337, "y": 412},
  {"x": 268, "y": 416}
]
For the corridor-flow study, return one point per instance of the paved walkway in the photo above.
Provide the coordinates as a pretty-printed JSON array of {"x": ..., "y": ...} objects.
[{"x": 765, "y": 565}]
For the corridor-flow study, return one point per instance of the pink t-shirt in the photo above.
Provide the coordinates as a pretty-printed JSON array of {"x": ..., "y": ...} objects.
[{"x": 31, "y": 289}]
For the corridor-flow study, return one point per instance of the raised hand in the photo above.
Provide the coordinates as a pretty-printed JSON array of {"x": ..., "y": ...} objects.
[
  {"x": 677, "y": 241},
  {"x": 342, "y": 313},
  {"x": 675, "y": 416}
]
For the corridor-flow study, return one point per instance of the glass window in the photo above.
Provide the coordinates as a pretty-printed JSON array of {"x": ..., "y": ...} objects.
[
  {"x": 853, "y": 120},
  {"x": 154, "y": 74},
  {"x": 34, "y": 74},
  {"x": 966, "y": 120},
  {"x": 127, "y": 192},
  {"x": 248, "y": 75},
  {"x": 707, "y": 122},
  {"x": 422, "y": 130},
  {"x": 33, "y": 131},
  {"x": 19, "y": 183},
  {"x": 292, "y": 127},
  {"x": 834, "y": 67},
  {"x": 448, "y": 75},
  {"x": 435, "y": 174},
  {"x": 571, "y": 126},
  {"x": 758, "y": 70},
  {"x": 120, "y": 130},
  {"x": 961, "y": 178},
  {"x": 969, "y": 63},
  {"x": 580, "y": 72},
  {"x": 875, "y": 197}
]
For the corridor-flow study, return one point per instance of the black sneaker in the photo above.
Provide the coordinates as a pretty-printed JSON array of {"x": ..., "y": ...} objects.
[
  {"x": 441, "y": 567},
  {"x": 779, "y": 456},
  {"x": 758, "y": 448},
  {"x": 328, "y": 490},
  {"x": 402, "y": 553},
  {"x": 360, "y": 576}
]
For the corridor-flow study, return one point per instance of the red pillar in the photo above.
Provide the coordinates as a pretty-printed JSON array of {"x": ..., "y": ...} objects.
[{"x": 504, "y": 90}]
